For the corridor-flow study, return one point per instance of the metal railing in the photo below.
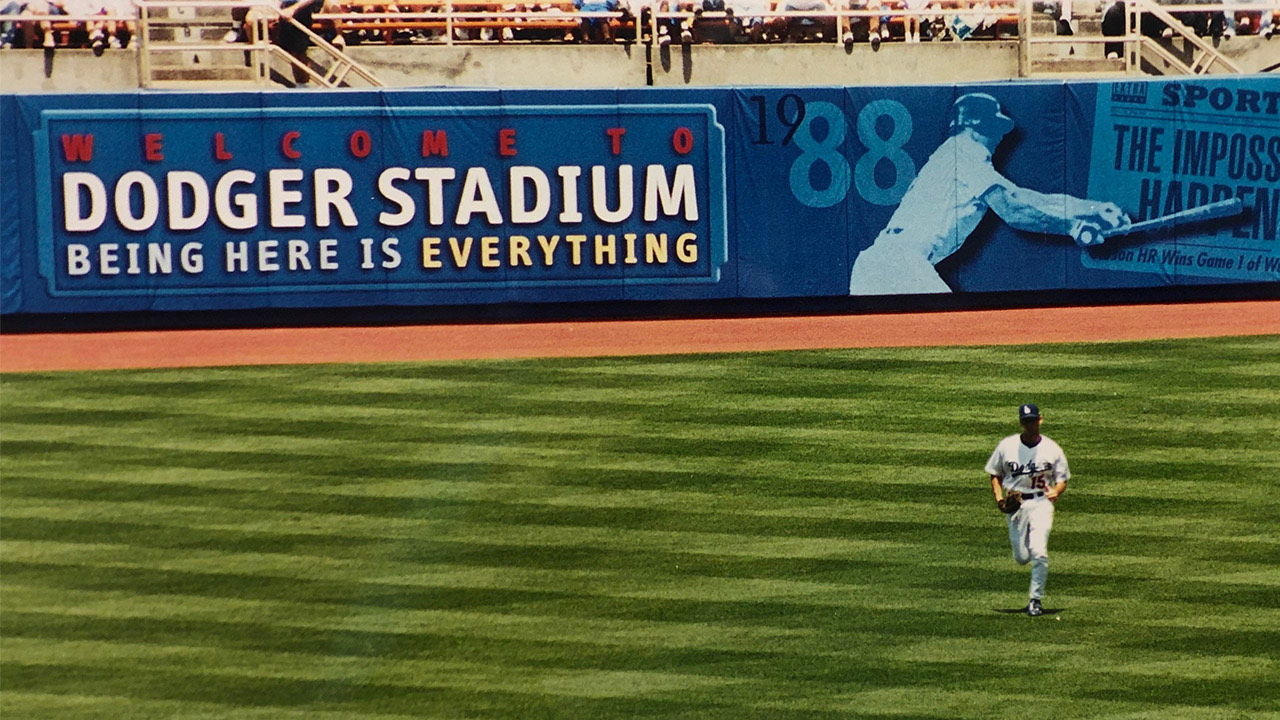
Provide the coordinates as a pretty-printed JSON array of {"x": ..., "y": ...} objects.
[
  {"x": 336, "y": 67},
  {"x": 657, "y": 26}
]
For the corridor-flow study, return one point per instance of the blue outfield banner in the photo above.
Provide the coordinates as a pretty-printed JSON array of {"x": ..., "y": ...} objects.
[{"x": 132, "y": 202}]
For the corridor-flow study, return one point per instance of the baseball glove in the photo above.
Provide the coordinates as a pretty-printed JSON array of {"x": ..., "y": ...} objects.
[{"x": 1010, "y": 503}]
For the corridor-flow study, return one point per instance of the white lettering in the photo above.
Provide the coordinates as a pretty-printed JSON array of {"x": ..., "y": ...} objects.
[
  {"x": 435, "y": 177},
  {"x": 281, "y": 197},
  {"x": 682, "y": 191},
  {"x": 191, "y": 259},
  {"x": 179, "y": 182},
  {"x": 521, "y": 214},
  {"x": 332, "y": 186},
  {"x": 328, "y": 254},
  {"x": 478, "y": 197},
  {"x": 569, "y": 175},
  {"x": 78, "y": 260},
  {"x": 246, "y": 202},
  {"x": 124, "y": 201},
  {"x": 267, "y": 255},
  {"x": 72, "y": 217},
  {"x": 402, "y": 199},
  {"x": 600, "y": 194}
]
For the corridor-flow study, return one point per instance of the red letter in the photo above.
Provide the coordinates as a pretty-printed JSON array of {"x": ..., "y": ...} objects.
[
  {"x": 286, "y": 145},
  {"x": 615, "y": 134},
  {"x": 220, "y": 147},
  {"x": 154, "y": 143},
  {"x": 437, "y": 142},
  {"x": 361, "y": 144},
  {"x": 682, "y": 140},
  {"x": 507, "y": 142},
  {"x": 77, "y": 148}
]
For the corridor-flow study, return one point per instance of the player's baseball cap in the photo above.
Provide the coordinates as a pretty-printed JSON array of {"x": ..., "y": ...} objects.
[
  {"x": 1028, "y": 412},
  {"x": 981, "y": 112}
]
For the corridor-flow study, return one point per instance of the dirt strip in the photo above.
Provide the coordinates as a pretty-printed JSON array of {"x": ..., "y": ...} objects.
[{"x": 197, "y": 348}]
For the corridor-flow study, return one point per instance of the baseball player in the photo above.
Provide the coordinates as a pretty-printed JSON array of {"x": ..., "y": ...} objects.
[
  {"x": 949, "y": 197},
  {"x": 1028, "y": 475}
]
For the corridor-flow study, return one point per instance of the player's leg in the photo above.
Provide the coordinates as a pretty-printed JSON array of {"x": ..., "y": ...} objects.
[
  {"x": 1040, "y": 522},
  {"x": 1018, "y": 538}
]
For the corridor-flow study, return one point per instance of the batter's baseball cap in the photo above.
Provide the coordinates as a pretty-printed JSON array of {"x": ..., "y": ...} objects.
[
  {"x": 1028, "y": 412},
  {"x": 981, "y": 112}
]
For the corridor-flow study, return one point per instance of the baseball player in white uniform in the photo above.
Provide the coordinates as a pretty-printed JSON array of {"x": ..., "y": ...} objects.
[
  {"x": 948, "y": 198},
  {"x": 1033, "y": 465}
]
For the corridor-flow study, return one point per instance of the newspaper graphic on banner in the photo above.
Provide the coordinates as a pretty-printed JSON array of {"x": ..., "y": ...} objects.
[{"x": 1165, "y": 148}]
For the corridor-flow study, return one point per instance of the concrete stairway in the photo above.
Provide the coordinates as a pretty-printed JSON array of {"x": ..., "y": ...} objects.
[
  {"x": 184, "y": 46},
  {"x": 199, "y": 43},
  {"x": 1079, "y": 54}
]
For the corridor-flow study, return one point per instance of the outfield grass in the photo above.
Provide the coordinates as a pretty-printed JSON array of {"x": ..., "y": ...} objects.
[{"x": 773, "y": 535}]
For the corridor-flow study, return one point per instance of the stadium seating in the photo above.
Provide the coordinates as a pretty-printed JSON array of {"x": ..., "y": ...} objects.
[{"x": 380, "y": 21}]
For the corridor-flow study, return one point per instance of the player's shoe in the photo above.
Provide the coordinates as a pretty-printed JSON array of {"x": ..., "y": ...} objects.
[{"x": 1033, "y": 608}]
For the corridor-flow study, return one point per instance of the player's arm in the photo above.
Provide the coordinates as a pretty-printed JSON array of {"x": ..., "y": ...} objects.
[
  {"x": 997, "y": 487},
  {"x": 1056, "y": 491},
  {"x": 1059, "y": 214},
  {"x": 1061, "y": 473}
]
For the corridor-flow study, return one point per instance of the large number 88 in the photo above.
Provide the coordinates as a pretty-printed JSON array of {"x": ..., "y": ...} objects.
[{"x": 826, "y": 152}]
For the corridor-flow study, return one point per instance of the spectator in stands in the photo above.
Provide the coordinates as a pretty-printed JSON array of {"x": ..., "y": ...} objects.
[
  {"x": 1061, "y": 11},
  {"x": 9, "y": 31},
  {"x": 749, "y": 17},
  {"x": 964, "y": 22},
  {"x": 115, "y": 32},
  {"x": 46, "y": 7},
  {"x": 596, "y": 29},
  {"x": 1113, "y": 25},
  {"x": 877, "y": 25},
  {"x": 989, "y": 19},
  {"x": 714, "y": 23},
  {"x": 911, "y": 23},
  {"x": 293, "y": 40},
  {"x": 1201, "y": 23},
  {"x": 1259, "y": 22},
  {"x": 669, "y": 27},
  {"x": 808, "y": 27}
]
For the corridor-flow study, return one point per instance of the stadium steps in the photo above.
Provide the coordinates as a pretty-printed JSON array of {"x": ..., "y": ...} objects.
[
  {"x": 1183, "y": 54},
  {"x": 1071, "y": 55},
  {"x": 184, "y": 44}
]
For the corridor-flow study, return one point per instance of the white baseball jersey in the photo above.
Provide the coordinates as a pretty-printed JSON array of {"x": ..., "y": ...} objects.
[
  {"x": 1028, "y": 469},
  {"x": 941, "y": 207},
  {"x": 944, "y": 204}
]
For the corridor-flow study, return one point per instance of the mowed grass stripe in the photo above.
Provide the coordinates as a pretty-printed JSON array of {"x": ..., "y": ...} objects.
[
  {"x": 293, "y": 432},
  {"x": 531, "y": 635},
  {"x": 549, "y": 520},
  {"x": 396, "y": 498},
  {"x": 593, "y": 529},
  {"x": 107, "y": 568},
  {"x": 513, "y": 514},
  {"x": 727, "y": 663},
  {"x": 816, "y": 415}
]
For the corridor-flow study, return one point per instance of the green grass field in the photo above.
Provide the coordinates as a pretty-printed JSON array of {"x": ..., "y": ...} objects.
[{"x": 773, "y": 535}]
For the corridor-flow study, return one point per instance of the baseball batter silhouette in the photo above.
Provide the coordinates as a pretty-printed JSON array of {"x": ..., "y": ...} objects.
[{"x": 949, "y": 197}]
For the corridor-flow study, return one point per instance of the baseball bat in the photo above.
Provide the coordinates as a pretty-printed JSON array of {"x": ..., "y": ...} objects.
[{"x": 1212, "y": 211}]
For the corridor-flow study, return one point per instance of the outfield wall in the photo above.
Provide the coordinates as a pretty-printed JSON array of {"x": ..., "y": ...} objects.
[
  {"x": 571, "y": 66},
  {"x": 147, "y": 202}
]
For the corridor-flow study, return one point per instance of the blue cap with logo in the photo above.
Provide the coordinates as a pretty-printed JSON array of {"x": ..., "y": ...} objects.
[{"x": 1028, "y": 412}]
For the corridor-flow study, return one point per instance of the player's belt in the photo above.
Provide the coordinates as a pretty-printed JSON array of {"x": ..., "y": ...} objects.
[{"x": 1032, "y": 495}]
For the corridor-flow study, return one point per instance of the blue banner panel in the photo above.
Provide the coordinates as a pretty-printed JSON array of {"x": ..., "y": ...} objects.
[{"x": 445, "y": 197}]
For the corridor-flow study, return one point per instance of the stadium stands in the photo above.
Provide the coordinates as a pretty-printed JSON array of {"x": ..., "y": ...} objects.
[{"x": 109, "y": 23}]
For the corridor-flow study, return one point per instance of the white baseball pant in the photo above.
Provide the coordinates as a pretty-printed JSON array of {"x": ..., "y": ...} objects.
[{"x": 1029, "y": 535}]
